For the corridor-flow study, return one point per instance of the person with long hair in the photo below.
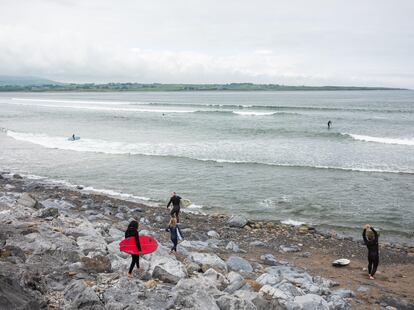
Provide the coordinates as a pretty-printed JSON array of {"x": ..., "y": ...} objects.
[
  {"x": 370, "y": 237},
  {"x": 175, "y": 232},
  {"x": 132, "y": 231}
]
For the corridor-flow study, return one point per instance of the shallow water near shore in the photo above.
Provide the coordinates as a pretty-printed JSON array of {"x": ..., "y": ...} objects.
[{"x": 264, "y": 154}]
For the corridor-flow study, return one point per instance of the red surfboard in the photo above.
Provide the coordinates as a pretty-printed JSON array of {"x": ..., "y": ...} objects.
[{"x": 148, "y": 245}]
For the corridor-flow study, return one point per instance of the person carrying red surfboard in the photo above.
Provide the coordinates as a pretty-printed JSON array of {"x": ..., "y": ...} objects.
[
  {"x": 175, "y": 231},
  {"x": 132, "y": 231},
  {"x": 175, "y": 201}
]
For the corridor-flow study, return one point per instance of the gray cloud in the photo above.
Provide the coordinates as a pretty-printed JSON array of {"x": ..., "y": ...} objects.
[{"x": 296, "y": 42}]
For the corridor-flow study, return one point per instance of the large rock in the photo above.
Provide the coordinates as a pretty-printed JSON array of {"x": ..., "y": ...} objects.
[
  {"x": 228, "y": 302},
  {"x": 125, "y": 292},
  {"x": 169, "y": 263},
  {"x": 13, "y": 296},
  {"x": 213, "y": 234},
  {"x": 27, "y": 201},
  {"x": 195, "y": 293},
  {"x": 91, "y": 244},
  {"x": 47, "y": 212},
  {"x": 208, "y": 260},
  {"x": 237, "y": 221},
  {"x": 255, "y": 298},
  {"x": 163, "y": 275},
  {"x": 232, "y": 246},
  {"x": 308, "y": 302},
  {"x": 236, "y": 281},
  {"x": 80, "y": 296},
  {"x": 96, "y": 264},
  {"x": 217, "y": 278},
  {"x": 269, "y": 259},
  {"x": 58, "y": 203},
  {"x": 289, "y": 248},
  {"x": 236, "y": 263},
  {"x": 336, "y": 302}
]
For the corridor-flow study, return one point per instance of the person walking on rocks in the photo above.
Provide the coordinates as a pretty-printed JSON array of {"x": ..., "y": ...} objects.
[
  {"x": 370, "y": 237},
  {"x": 175, "y": 201},
  {"x": 175, "y": 233},
  {"x": 132, "y": 231}
]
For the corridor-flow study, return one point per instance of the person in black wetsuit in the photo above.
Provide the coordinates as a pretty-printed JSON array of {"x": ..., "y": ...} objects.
[
  {"x": 370, "y": 237},
  {"x": 174, "y": 230},
  {"x": 132, "y": 231},
  {"x": 175, "y": 201},
  {"x": 329, "y": 124}
]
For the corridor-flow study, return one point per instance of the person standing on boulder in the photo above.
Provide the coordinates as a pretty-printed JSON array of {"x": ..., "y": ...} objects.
[
  {"x": 370, "y": 237},
  {"x": 175, "y": 201},
  {"x": 132, "y": 231},
  {"x": 175, "y": 232}
]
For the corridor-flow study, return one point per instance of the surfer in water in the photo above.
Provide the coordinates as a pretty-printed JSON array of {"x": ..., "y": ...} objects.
[
  {"x": 329, "y": 124},
  {"x": 175, "y": 233},
  {"x": 370, "y": 237},
  {"x": 175, "y": 201},
  {"x": 132, "y": 231},
  {"x": 73, "y": 137}
]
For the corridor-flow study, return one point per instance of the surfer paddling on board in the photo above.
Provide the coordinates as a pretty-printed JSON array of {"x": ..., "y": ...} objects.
[
  {"x": 370, "y": 237},
  {"x": 329, "y": 124},
  {"x": 132, "y": 231},
  {"x": 175, "y": 233},
  {"x": 175, "y": 201}
]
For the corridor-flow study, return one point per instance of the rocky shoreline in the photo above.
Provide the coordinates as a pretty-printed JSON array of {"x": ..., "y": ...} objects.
[{"x": 59, "y": 250}]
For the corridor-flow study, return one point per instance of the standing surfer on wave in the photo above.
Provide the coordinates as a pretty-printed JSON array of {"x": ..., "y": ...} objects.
[
  {"x": 175, "y": 201},
  {"x": 132, "y": 231},
  {"x": 370, "y": 237},
  {"x": 329, "y": 124}
]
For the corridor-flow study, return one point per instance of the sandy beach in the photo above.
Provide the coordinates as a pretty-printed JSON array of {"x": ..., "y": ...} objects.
[{"x": 32, "y": 210}]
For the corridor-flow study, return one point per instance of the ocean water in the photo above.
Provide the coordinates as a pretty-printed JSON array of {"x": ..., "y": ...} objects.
[{"x": 268, "y": 155}]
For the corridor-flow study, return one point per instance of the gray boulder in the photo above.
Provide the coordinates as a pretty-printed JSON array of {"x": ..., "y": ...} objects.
[
  {"x": 48, "y": 212},
  {"x": 217, "y": 278},
  {"x": 163, "y": 275},
  {"x": 344, "y": 293},
  {"x": 238, "y": 221},
  {"x": 269, "y": 259},
  {"x": 232, "y": 246},
  {"x": 13, "y": 296},
  {"x": 195, "y": 294},
  {"x": 213, "y": 234},
  {"x": 236, "y": 281},
  {"x": 258, "y": 244},
  {"x": 208, "y": 260},
  {"x": 96, "y": 264},
  {"x": 82, "y": 297},
  {"x": 336, "y": 302},
  {"x": 236, "y": 263},
  {"x": 228, "y": 302},
  {"x": 27, "y": 201},
  {"x": 289, "y": 248},
  {"x": 308, "y": 302}
]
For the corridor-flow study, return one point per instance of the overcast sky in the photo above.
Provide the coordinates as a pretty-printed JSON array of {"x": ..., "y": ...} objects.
[{"x": 312, "y": 42}]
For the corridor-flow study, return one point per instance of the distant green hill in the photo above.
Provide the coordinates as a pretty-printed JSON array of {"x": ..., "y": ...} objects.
[
  {"x": 6, "y": 80},
  {"x": 34, "y": 84}
]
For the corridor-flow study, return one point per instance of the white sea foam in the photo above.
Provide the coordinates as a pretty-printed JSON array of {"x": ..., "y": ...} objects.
[
  {"x": 292, "y": 222},
  {"x": 400, "y": 141},
  {"x": 100, "y": 108},
  {"x": 107, "y": 192},
  {"x": 78, "y": 101},
  {"x": 253, "y": 113},
  {"x": 194, "y": 206},
  {"x": 194, "y": 151}
]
